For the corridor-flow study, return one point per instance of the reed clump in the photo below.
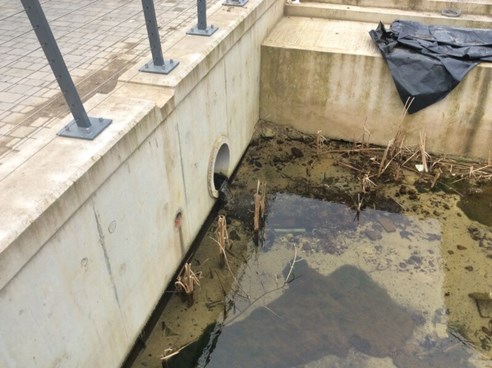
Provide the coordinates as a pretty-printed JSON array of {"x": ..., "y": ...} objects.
[
  {"x": 186, "y": 282},
  {"x": 374, "y": 164}
]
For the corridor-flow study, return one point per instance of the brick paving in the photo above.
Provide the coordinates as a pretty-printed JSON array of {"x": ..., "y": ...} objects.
[{"x": 99, "y": 40}]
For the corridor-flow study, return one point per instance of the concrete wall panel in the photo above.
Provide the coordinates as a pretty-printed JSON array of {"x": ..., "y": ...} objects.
[
  {"x": 316, "y": 76},
  {"x": 88, "y": 269}
]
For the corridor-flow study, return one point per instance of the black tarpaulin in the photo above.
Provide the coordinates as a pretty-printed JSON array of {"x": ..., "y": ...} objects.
[{"x": 427, "y": 62}]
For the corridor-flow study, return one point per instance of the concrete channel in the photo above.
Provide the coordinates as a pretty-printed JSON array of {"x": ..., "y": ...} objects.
[{"x": 88, "y": 248}]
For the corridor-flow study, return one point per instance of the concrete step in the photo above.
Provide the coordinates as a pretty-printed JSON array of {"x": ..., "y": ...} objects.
[
  {"x": 383, "y": 14},
  {"x": 478, "y": 7},
  {"x": 325, "y": 74}
]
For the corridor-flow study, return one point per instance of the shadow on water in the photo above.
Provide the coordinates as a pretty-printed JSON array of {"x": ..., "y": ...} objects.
[
  {"x": 318, "y": 316},
  {"x": 475, "y": 199},
  {"x": 477, "y": 205}
]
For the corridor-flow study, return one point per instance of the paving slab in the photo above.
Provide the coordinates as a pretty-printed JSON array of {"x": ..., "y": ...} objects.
[{"x": 99, "y": 40}]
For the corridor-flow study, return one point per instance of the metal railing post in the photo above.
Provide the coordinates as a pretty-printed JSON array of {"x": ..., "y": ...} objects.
[
  {"x": 201, "y": 28},
  {"x": 158, "y": 64},
  {"x": 235, "y": 2},
  {"x": 82, "y": 126}
]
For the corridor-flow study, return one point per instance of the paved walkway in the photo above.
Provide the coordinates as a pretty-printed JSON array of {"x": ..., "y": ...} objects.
[{"x": 99, "y": 40}]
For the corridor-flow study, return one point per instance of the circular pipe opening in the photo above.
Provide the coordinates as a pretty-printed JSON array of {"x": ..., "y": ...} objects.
[{"x": 218, "y": 168}]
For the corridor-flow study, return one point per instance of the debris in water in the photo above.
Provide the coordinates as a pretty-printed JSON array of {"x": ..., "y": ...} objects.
[
  {"x": 387, "y": 224},
  {"x": 484, "y": 303}
]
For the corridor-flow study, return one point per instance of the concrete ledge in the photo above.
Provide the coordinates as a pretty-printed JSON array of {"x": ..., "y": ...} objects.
[
  {"x": 385, "y": 15},
  {"x": 50, "y": 187},
  {"x": 478, "y": 7},
  {"x": 321, "y": 74}
]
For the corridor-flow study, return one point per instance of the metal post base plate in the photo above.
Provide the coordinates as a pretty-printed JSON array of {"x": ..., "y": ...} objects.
[
  {"x": 449, "y": 12},
  {"x": 210, "y": 30},
  {"x": 166, "y": 68},
  {"x": 71, "y": 130},
  {"x": 235, "y": 2}
]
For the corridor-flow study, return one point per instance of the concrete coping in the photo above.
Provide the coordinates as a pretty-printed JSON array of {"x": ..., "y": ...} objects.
[
  {"x": 42, "y": 193},
  {"x": 379, "y": 13},
  {"x": 479, "y": 7},
  {"x": 332, "y": 36}
]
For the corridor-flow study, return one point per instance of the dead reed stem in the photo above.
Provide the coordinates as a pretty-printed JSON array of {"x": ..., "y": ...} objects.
[
  {"x": 365, "y": 141},
  {"x": 395, "y": 145},
  {"x": 222, "y": 238},
  {"x": 423, "y": 152},
  {"x": 259, "y": 214},
  {"x": 372, "y": 162},
  {"x": 224, "y": 244},
  {"x": 320, "y": 141},
  {"x": 383, "y": 160}
]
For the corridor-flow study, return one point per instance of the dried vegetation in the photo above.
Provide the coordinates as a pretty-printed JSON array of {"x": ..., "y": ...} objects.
[{"x": 373, "y": 164}]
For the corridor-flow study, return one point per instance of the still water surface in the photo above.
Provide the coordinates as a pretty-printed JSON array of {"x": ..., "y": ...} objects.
[{"x": 330, "y": 286}]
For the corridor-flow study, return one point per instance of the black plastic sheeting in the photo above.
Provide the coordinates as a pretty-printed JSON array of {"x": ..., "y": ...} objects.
[{"x": 427, "y": 62}]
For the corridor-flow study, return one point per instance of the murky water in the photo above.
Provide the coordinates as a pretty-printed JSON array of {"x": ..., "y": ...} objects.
[{"x": 333, "y": 283}]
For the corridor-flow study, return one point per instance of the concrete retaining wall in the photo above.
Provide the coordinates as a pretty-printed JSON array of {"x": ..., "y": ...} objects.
[
  {"x": 320, "y": 74},
  {"x": 91, "y": 241}
]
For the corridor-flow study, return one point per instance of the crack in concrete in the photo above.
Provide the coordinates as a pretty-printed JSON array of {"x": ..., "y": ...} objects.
[{"x": 106, "y": 258}]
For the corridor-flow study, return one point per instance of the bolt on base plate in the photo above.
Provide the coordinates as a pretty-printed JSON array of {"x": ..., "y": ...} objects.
[
  {"x": 166, "y": 68},
  {"x": 71, "y": 130},
  {"x": 210, "y": 30},
  {"x": 235, "y": 2},
  {"x": 454, "y": 13}
]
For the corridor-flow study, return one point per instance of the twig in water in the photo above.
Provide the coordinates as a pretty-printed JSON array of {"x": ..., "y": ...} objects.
[
  {"x": 292, "y": 263},
  {"x": 436, "y": 178},
  {"x": 286, "y": 281},
  {"x": 270, "y": 310},
  {"x": 366, "y": 183},
  {"x": 349, "y": 166},
  {"x": 226, "y": 261},
  {"x": 351, "y": 150}
]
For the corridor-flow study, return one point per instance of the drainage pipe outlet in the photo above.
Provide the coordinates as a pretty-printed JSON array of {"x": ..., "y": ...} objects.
[{"x": 218, "y": 167}]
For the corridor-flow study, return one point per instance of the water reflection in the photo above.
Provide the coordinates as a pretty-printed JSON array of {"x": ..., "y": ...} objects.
[{"x": 364, "y": 293}]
